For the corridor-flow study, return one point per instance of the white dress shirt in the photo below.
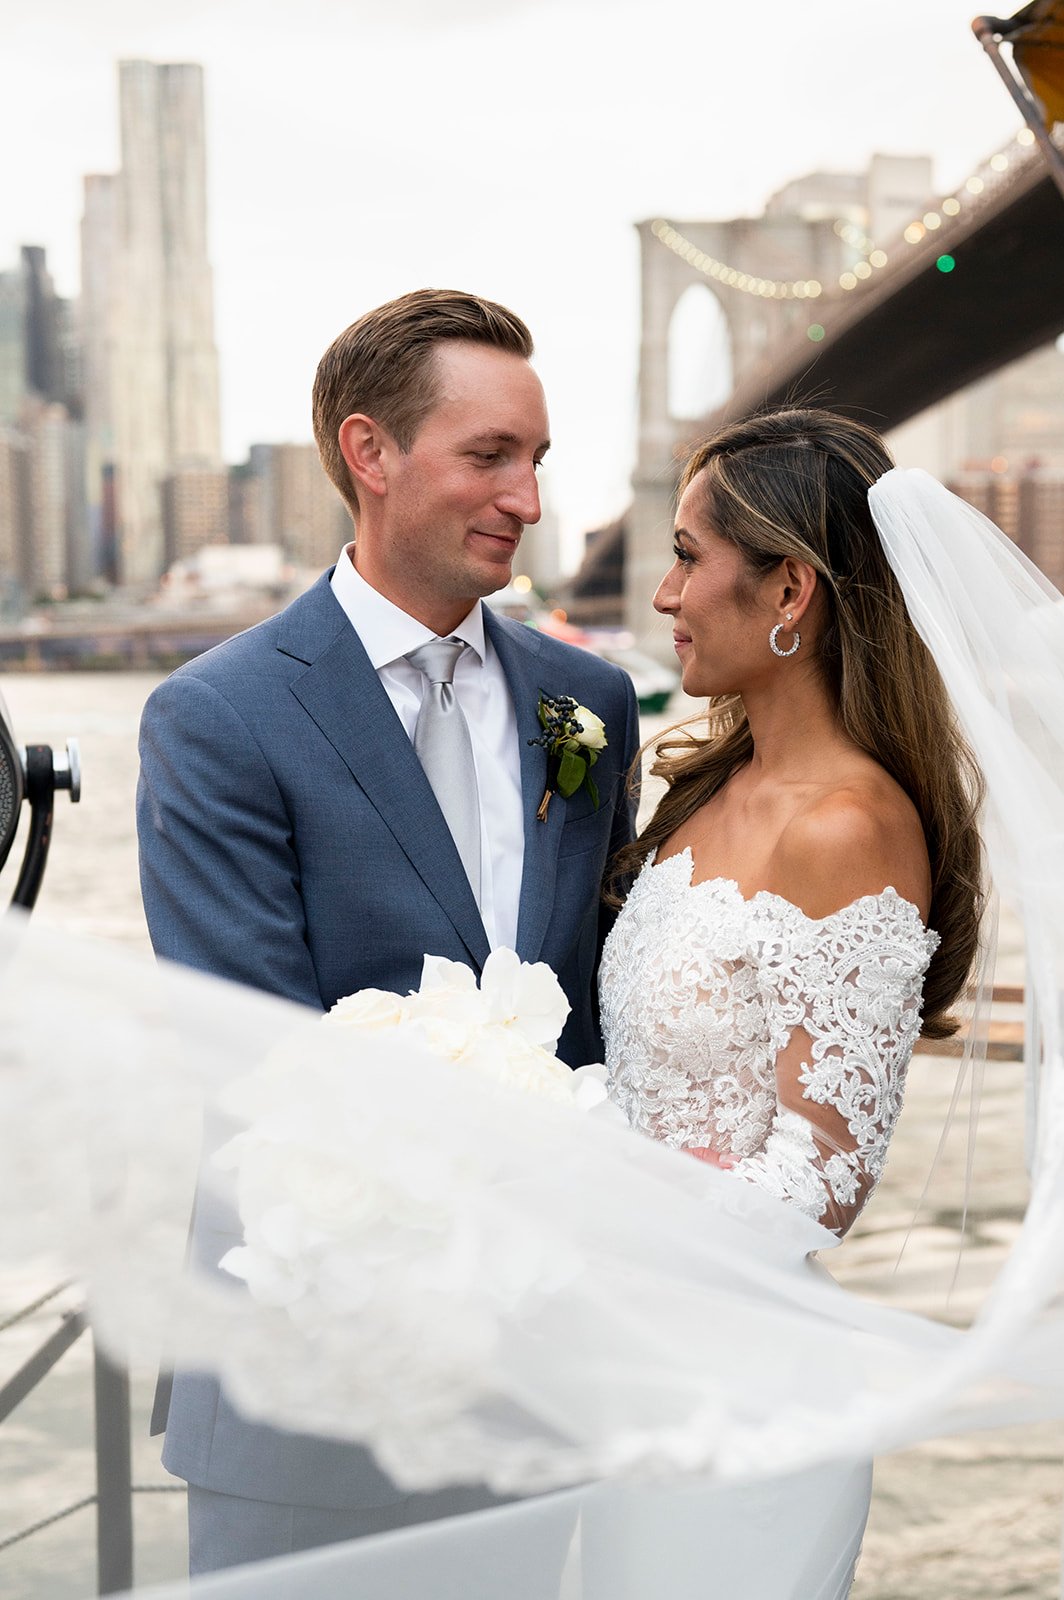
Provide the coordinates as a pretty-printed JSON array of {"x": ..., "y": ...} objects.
[{"x": 387, "y": 635}]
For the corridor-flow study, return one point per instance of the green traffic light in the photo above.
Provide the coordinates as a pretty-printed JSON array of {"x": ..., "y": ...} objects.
[{"x": 945, "y": 263}]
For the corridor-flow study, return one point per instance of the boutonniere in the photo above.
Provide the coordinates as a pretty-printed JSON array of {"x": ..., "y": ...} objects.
[{"x": 572, "y": 737}]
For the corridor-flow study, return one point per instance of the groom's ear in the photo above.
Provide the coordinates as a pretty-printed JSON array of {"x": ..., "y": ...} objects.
[{"x": 364, "y": 445}]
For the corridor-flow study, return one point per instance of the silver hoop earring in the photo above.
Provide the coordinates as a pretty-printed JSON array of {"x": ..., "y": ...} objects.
[{"x": 774, "y": 635}]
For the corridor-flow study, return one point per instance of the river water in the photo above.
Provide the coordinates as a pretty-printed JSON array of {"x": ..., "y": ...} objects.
[
  {"x": 961, "y": 1519},
  {"x": 91, "y": 882}
]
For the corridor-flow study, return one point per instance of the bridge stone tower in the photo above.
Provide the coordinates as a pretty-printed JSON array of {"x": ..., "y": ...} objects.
[{"x": 812, "y": 230}]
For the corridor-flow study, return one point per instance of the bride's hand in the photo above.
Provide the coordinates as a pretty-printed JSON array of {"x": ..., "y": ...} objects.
[{"x": 715, "y": 1157}]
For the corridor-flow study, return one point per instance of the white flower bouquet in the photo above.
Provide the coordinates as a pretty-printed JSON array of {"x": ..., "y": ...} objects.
[{"x": 365, "y": 1226}]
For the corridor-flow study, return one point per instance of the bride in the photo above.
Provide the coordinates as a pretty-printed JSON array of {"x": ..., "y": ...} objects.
[
  {"x": 763, "y": 986},
  {"x": 643, "y": 1318}
]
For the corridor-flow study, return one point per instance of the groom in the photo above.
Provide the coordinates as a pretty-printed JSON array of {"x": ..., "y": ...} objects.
[{"x": 351, "y": 785}]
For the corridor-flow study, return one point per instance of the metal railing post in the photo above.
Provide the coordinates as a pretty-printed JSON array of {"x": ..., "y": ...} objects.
[{"x": 114, "y": 1478}]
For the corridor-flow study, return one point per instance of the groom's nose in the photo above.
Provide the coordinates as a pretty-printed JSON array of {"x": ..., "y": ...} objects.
[{"x": 520, "y": 497}]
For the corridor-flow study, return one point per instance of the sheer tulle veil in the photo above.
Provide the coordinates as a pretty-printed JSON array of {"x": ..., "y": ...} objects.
[{"x": 619, "y": 1315}]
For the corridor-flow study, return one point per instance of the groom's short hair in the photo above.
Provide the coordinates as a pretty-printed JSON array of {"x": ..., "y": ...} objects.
[{"x": 383, "y": 366}]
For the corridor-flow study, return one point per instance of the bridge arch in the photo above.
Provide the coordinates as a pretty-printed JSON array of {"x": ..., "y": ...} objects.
[
  {"x": 777, "y": 248},
  {"x": 699, "y": 356}
]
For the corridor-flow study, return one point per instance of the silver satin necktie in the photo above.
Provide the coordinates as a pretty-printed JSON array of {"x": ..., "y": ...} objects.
[{"x": 443, "y": 746}]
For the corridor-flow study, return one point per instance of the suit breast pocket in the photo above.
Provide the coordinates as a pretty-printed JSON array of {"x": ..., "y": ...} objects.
[{"x": 583, "y": 834}]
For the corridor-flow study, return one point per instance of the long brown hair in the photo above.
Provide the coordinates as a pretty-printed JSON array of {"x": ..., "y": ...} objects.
[{"x": 795, "y": 483}]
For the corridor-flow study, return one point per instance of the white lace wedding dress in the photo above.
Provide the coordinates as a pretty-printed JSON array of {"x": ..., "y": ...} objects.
[{"x": 702, "y": 993}]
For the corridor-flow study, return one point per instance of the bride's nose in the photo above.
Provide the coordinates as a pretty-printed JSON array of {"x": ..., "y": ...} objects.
[{"x": 667, "y": 598}]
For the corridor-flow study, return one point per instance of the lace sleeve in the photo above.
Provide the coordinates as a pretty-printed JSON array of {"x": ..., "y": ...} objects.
[{"x": 844, "y": 999}]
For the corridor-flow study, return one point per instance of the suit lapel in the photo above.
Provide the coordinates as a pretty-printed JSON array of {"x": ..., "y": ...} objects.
[
  {"x": 343, "y": 695},
  {"x": 518, "y": 650}
]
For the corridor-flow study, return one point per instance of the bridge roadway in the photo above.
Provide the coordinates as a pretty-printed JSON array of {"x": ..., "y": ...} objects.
[
  {"x": 141, "y": 641},
  {"x": 912, "y": 335}
]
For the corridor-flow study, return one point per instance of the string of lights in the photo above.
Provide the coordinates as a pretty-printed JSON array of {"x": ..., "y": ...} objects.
[
  {"x": 872, "y": 260},
  {"x": 732, "y": 277}
]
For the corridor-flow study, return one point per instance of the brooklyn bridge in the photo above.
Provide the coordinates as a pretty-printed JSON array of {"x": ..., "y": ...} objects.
[{"x": 970, "y": 282}]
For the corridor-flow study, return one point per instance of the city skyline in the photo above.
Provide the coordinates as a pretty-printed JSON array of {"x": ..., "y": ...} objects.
[{"x": 511, "y": 151}]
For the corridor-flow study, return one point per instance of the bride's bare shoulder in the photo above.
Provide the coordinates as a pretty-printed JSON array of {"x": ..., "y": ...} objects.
[{"x": 851, "y": 840}]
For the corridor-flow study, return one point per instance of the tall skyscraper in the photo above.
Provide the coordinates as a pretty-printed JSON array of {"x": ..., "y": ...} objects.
[
  {"x": 35, "y": 358},
  {"x": 99, "y": 318},
  {"x": 151, "y": 362},
  {"x": 42, "y": 546}
]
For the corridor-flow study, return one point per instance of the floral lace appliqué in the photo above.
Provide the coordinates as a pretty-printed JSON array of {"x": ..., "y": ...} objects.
[{"x": 701, "y": 993}]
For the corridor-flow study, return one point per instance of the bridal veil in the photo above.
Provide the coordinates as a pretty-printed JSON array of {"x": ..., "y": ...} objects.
[{"x": 585, "y": 1307}]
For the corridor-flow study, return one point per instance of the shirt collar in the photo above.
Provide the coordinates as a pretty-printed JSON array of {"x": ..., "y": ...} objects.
[{"x": 386, "y": 631}]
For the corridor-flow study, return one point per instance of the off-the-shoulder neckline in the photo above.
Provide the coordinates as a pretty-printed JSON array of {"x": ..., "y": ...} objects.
[{"x": 887, "y": 893}]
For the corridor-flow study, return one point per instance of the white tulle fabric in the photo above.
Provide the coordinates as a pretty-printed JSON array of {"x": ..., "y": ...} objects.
[
  {"x": 702, "y": 992},
  {"x": 662, "y": 1327}
]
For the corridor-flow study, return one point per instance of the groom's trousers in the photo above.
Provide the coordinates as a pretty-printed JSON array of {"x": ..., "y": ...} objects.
[{"x": 226, "y": 1530}]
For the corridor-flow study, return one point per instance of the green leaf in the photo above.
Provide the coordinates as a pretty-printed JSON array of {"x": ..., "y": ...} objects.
[
  {"x": 592, "y": 757},
  {"x": 542, "y": 713},
  {"x": 592, "y": 789},
  {"x": 571, "y": 774}
]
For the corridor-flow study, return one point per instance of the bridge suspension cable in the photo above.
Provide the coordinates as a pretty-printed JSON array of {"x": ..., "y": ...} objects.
[
  {"x": 733, "y": 277},
  {"x": 872, "y": 258}
]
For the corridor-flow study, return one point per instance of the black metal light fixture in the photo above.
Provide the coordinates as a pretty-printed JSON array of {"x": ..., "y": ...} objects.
[
  {"x": 32, "y": 774},
  {"x": 1036, "y": 81}
]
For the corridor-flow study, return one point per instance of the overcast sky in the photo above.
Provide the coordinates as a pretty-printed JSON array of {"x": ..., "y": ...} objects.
[{"x": 359, "y": 148}]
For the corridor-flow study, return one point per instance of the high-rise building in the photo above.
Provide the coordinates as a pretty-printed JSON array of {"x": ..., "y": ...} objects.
[
  {"x": 1014, "y": 418},
  {"x": 42, "y": 543},
  {"x": 1026, "y": 502},
  {"x": 151, "y": 366},
  {"x": 15, "y": 525},
  {"x": 99, "y": 262},
  {"x": 46, "y": 570},
  {"x": 297, "y": 505},
  {"x": 195, "y": 510},
  {"x": 38, "y": 356},
  {"x": 245, "y": 504},
  {"x": 45, "y": 371},
  {"x": 12, "y": 346},
  {"x": 1042, "y": 520},
  {"x": 539, "y": 557}
]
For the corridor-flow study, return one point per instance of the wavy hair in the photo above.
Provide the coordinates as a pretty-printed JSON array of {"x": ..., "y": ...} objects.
[{"x": 795, "y": 483}]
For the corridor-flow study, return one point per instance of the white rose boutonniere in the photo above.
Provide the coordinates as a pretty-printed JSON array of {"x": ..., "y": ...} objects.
[
  {"x": 591, "y": 732},
  {"x": 573, "y": 738}
]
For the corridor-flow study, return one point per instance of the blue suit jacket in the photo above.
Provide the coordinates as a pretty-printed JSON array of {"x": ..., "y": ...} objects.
[{"x": 290, "y": 840}]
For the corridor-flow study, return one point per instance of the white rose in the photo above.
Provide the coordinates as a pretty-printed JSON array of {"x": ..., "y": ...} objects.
[
  {"x": 453, "y": 977},
  {"x": 369, "y": 1010},
  {"x": 593, "y": 735},
  {"x": 508, "y": 1058},
  {"x": 524, "y": 995},
  {"x": 446, "y": 1037},
  {"x": 446, "y": 1018},
  {"x": 590, "y": 1086}
]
